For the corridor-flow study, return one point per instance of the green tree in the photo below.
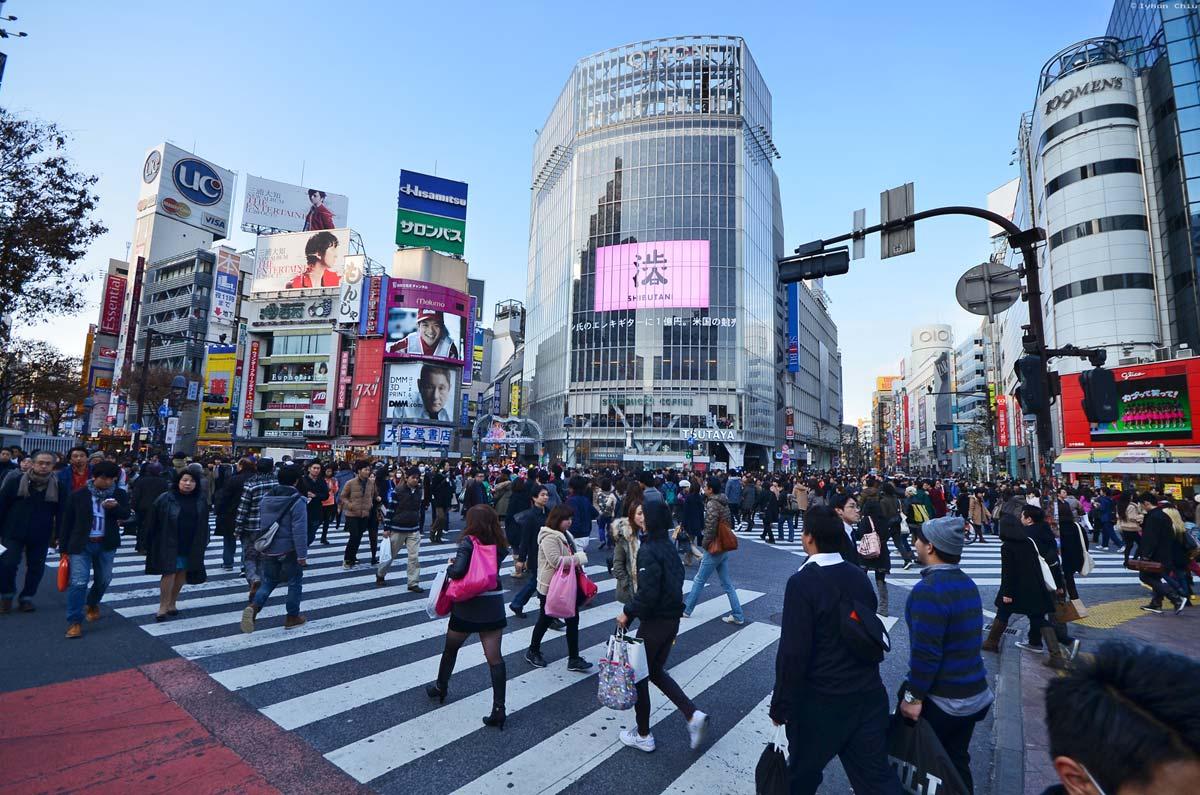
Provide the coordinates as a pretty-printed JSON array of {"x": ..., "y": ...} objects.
[
  {"x": 57, "y": 389},
  {"x": 46, "y": 220}
]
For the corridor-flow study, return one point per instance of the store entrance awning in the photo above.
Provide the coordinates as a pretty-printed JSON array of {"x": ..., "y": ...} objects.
[{"x": 1142, "y": 461}]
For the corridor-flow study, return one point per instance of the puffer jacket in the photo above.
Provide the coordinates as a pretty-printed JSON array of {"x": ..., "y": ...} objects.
[
  {"x": 660, "y": 581},
  {"x": 1131, "y": 518},
  {"x": 358, "y": 499},
  {"x": 552, "y": 546},
  {"x": 292, "y": 535},
  {"x": 625, "y": 560},
  {"x": 716, "y": 507}
]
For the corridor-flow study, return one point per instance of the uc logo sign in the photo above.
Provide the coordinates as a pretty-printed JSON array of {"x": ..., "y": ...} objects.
[{"x": 198, "y": 181}]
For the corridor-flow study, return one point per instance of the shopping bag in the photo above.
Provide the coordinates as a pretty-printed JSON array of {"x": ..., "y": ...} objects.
[
  {"x": 919, "y": 758},
  {"x": 617, "y": 690},
  {"x": 481, "y": 576},
  {"x": 436, "y": 603},
  {"x": 1089, "y": 564},
  {"x": 770, "y": 774},
  {"x": 385, "y": 553},
  {"x": 587, "y": 588},
  {"x": 636, "y": 650},
  {"x": 1072, "y": 610},
  {"x": 560, "y": 596},
  {"x": 64, "y": 572}
]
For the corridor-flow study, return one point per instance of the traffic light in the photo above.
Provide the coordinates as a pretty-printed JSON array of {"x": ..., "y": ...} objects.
[
  {"x": 1099, "y": 395},
  {"x": 833, "y": 262},
  {"x": 1031, "y": 375}
]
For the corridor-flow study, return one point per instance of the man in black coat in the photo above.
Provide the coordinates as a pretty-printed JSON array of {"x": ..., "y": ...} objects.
[
  {"x": 1157, "y": 544},
  {"x": 90, "y": 535},
  {"x": 29, "y": 512},
  {"x": 144, "y": 491},
  {"x": 524, "y": 545},
  {"x": 316, "y": 491}
]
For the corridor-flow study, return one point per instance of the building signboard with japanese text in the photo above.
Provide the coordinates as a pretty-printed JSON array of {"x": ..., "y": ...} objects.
[
  {"x": 350, "y": 299},
  {"x": 658, "y": 275},
  {"x": 1154, "y": 406},
  {"x": 431, "y": 211},
  {"x": 219, "y": 366},
  {"x": 469, "y": 340},
  {"x": 291, "y": 208},
  {"x": 426, "y": 321},
  {"x": 417, "y": 435},
  {"x": 300, "y": 260},
  {"x": 1002, "y": 437},
  {"x": 225, "y": 287},
  {"x": 514, "y": 399},
  {"x": 422, "y": 391},
  {"x": 793, "y": 327},
  {"x": 371, "y": 322},
  {"x": 251, "y": 376},
  {"x": 365, "y": 390}
]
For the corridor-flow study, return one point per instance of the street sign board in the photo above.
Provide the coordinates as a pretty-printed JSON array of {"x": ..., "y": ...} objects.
[
  {"x": 859, "y": 245},
  {"x": 894, "y": 204},
  {"x": 988, "y": 289}
]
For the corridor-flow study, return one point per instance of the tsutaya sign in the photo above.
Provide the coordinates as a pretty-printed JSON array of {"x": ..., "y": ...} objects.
[
  {"x": 709, "y": 434},
  {"x": 1071, "y": 94}
]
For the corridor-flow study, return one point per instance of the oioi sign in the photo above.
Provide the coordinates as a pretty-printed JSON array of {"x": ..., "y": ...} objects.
[{"x": 431, "y": 211}]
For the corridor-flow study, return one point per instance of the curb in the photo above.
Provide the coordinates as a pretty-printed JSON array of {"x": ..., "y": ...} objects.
[{"x": 1008, "y": 754}]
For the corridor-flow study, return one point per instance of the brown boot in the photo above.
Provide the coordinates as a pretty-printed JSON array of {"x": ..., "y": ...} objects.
[
  {"x": 992, "y": 643},
  {"x": 92, "y": 612},
  {"x": 1056, "y": 658},
  {"x": 293, "y": 621},
  {"x": 75, "y": 631},
  {"x": 5, "y": 606},
  {"x": 379, "y": 581}
]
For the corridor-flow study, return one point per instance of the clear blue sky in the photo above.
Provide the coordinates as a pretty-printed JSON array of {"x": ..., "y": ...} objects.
[{"x": 866, "y": 96}]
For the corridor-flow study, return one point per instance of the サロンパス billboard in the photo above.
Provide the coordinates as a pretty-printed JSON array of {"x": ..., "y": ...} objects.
[
  {"x": 431, "y": 211},
  {"x": 665, "y": 274},
  {"x": 291, "y": 208},
  {"x": 422, "y": 391},
  {"x": 425, "y": 321},
  {"x": 300, "y": 260}
]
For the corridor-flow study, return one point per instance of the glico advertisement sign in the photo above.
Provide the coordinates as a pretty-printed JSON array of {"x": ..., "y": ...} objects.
[
  {"x": 662, "y": 275},
  {"x": 179, "y": 185},
  {"x": 1154, "y": 406},
  {"x": 291, "y": 208},
  {"x": 300, "y": 260},
  {"x": 426, "y": 321}
]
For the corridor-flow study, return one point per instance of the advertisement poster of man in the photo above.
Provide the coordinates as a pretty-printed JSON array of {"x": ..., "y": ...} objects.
[
  {"x": 421, "y": 391},
  {"x": 291, "y": 208},
  {"x": 425, "y": 321},
  {"x": 300, "y": 260}
]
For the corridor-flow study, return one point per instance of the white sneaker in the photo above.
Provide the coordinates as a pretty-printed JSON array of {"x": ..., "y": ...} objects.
[
  {"x": 696, "y": 728},
  {"x": 631, "y": 738},
  {"x": 1021, "y": 644},
  {"x": 729, "y": 619}
]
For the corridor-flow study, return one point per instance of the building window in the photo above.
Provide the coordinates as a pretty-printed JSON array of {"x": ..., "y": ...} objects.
[
  {"x": 1113, "y": 223},
  {"x": 1098, "y": 113},
  {"x": 1113, "y": 281},
  {"x": 1116, "y": 166}
]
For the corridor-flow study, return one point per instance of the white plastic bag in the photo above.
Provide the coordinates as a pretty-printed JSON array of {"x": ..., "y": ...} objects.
[
  {"x": 435, "y": 590},
  {"x": 385, "y": 552},
  {"x": 635, "y": 649}
]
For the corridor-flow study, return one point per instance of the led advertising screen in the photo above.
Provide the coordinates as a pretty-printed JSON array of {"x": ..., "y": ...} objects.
[
  {"x": 1153, "y": 407},
  {"x": 300, "y": 260},
  {"x": 421, "y": 391},
  {"x": 425, "y": 321},
  {"x": 661, "y": 275},
  {"x": 291, "y": 208}
]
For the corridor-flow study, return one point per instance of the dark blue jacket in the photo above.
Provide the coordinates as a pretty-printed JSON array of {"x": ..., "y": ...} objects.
[{"x": 585, "y": 514}]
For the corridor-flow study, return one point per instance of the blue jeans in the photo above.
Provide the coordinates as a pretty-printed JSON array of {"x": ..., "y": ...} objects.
[
  {"x": 602, "y": 529},
  {"x": 527, "y": 590},
  {"x": 721, "y": 564},
  {"x": 34, "y": 549},
  {"x": 275, "y": 570},
  {"x": 82, "y": 566},
  {"x": 1107, "y": 532},
  {"x": 793, "y": 520},
  {"x": 229, "y": 545}
]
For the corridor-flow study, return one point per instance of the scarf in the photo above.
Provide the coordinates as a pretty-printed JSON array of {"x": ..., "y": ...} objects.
[
  {"x": 101, "y": 494},
  {"x": 48, "y": 483}
]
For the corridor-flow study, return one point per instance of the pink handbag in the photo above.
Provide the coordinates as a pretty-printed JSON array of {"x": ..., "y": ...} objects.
[
  {"x": 481, "y": 576},
  {"x": 560, "y": 596}
]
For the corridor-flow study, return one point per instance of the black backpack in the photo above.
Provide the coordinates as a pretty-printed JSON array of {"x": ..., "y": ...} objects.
[{"x": 860, "y": 629}]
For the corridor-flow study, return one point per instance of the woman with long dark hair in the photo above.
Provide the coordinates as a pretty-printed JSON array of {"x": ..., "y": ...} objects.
[
  {"x": 483, "y": 614},
  {"x": 176, "y": 537}
]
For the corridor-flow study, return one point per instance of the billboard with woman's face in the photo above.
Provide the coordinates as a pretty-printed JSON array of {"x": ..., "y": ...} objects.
[
  {"x": 425, "y": 321},
  {"x": 300, "y": 260}
]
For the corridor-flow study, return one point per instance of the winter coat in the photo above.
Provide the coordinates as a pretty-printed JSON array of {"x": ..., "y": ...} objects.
[
  {"x": 519, "y": 502},
  {"x": 501, "y": 495},
  {"x": 144, "y": 492},
  {"x": 872, "y": 520},
  {"x": 733, "y": 490},
  {"x": 161, "y": 526},
  {"x": 320, "y": 490},
  {"x": 693, "y": 514},
  {"x": 1131, "y": 518},
  {"x": 770, "y": 509},
  {"x": 1021, "y": 578},
  {"x": 21, "y": 518},
  {"x": 487, "y": 607},
  {"x": 716, "y": 508},
  {"x": 1158, "y": 539},
  {"x": 977, "y": 511},
  {"x": 800, "y": 494},
  {"x": 358, "y": 498},
  {"x": 585, "y": 514},
  {"x": 226, "y": 504},
  {"x": 77, "y": 521},
  {"x": 552, "y": 546},
  {"x": 1071, "y": 544},
  {"x": 280, "y": 505},
  {"x": 528, "y": 522},
  {"x": 938, "y": 498},
  {"x": 659, "y": 591},
  {"x": 406, "y": 509},
  {"x": 749, "y": 497},
  {"x": 625, "y": 560}
]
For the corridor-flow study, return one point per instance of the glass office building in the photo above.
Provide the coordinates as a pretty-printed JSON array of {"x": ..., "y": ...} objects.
[{"x": 652, "y": 326}]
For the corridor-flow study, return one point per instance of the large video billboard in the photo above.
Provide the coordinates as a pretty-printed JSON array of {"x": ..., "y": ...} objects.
[
  {"x": 177, "y": 184},
  {"x": 423, "y": 391},
  {"x": 300, "y": 260},
  {"x": 426, "y": 321},
  {"x": 661, "y": 275},
  {"x": 1154, "y": 407},
  {"x": 291, "y": 208}
]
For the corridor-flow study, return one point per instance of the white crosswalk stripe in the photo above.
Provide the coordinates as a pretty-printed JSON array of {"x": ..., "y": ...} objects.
[{"x": 364, "y": 648}]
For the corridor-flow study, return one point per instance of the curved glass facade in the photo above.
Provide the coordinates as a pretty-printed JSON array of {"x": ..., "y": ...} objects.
[{"x": 651, "y": 301}]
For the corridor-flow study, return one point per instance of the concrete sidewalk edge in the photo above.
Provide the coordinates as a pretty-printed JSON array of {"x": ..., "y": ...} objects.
[{"x": 1008, "y": 755}]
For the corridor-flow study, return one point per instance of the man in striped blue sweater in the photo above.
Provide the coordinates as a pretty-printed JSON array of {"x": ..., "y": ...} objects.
[{"x": 947, "y": 683}]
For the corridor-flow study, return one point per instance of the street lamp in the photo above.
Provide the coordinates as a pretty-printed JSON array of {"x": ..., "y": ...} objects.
[{"x": 568, "y": 423}]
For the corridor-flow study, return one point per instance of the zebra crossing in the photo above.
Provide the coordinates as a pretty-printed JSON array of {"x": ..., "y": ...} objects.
[
  {"x": 981, "y": 560},
  {"x": 351, "y": 680}
]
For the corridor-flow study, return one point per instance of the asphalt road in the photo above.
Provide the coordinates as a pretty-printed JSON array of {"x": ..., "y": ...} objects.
[{"x": 351, "y": 682}]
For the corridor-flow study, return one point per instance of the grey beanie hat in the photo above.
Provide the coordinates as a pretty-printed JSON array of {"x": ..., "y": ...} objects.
[{"x": 946, "y": 534}]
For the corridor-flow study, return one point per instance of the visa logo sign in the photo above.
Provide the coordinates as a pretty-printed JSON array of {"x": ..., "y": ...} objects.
[{"x": 213, "y": 222}]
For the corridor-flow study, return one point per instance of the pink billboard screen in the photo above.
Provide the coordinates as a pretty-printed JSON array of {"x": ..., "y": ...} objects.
[{"x": 662, "y": 275}]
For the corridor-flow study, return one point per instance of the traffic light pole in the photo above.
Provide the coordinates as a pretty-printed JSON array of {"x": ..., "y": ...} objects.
[{"x": 1034, "y": 340}]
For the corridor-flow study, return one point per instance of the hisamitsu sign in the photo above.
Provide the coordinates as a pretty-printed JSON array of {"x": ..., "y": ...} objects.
[{"x": 423, "y": 193}]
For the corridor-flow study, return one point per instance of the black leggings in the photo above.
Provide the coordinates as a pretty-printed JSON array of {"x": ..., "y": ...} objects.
[
  {"x": 658, "y": 634},
  {"x": 543, "y": 624},
  {"x": 328, "y": 514}
]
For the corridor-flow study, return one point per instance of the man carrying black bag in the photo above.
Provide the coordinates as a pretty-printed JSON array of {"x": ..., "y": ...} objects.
[
  {"x": 827, "y": 686},
  {"x": 947, "y": 684}
]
